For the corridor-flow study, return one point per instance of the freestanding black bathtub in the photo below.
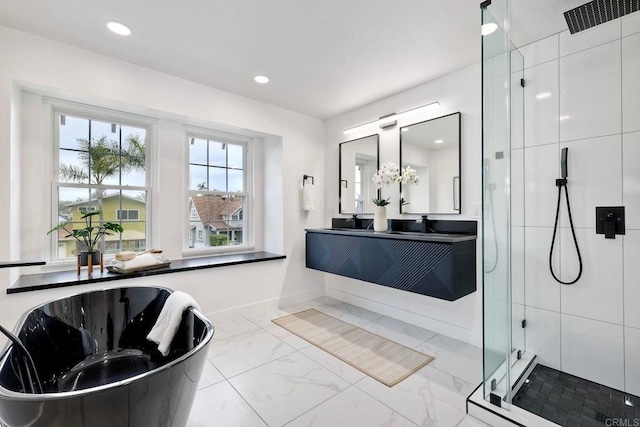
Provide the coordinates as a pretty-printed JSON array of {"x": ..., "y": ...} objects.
[{"x": 96, "y": 367}]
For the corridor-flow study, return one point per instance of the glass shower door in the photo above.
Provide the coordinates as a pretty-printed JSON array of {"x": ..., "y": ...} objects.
[{"x": 502, "y": 109}]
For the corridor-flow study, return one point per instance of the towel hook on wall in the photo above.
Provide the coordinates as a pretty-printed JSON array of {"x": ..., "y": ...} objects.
[{"x": 305, "y": 177}]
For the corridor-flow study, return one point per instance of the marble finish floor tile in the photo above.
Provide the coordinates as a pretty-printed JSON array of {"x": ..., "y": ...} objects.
[
  {"x": 243, "y": 352},
  {"x": 318, "y": 303},
  {"x": 350, "y": 408},
  {"x": 286, "y": 388},
  {"x": 401, "y": 332},
  {"x": 428, "y": 398},
  {"x": 332, "y": 363},
  {"x": 232, "y": 327},
  {"x": 210, "y": 375},
  {"x": 469, "y": 421},
  {"x": 350, "y": 313},
  {"x": 221, "y": 405},
  {"x": 455, "y": 357},
  {"x": 286, "y": 336},
  {"x": 264, "y": 318}
]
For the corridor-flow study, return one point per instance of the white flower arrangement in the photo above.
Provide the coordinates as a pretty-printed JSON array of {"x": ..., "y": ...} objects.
[
  {"x": 409, "y": 176},
  {"x": 388, "y": 174}
]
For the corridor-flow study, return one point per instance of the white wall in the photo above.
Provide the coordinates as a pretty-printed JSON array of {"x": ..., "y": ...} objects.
[
  {"x": 459, "y": 91},
  {"x": 296, "y": 147},
  {"x": 582, "y": 92}
]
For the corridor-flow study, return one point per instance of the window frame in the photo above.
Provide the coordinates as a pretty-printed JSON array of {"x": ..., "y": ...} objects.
[
  {"x": 54, "y": 109},
  {"x": 247, "y": 208}
]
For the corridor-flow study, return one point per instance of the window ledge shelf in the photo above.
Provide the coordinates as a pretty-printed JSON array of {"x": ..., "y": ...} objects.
[{"x": 34, "y": 282}]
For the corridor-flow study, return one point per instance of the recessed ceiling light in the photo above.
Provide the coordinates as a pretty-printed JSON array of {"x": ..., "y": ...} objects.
[
  {"x": 488, "y": 28},
  {"x": 439, "y": 141},
  {"x": 405, "y": 129},
  {"x": 261, "y": 79},
  {"x": 119, "y": 28},
  {"x": 543, "y": 95}
]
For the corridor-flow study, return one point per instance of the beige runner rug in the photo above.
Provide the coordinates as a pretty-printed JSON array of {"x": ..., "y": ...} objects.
[{"x": 378, "y": 357}]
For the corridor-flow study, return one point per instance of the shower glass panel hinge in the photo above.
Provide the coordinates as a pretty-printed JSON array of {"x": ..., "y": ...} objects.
[
  {"x": 519, "y": 354},
  {"x": 524, "y": 323},
  {"x": 494, "y": 384},
  {"x": 522, "y": 82}
]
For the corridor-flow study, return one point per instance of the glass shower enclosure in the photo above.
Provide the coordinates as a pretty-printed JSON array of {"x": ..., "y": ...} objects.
[{"x": 567, "y": 353}]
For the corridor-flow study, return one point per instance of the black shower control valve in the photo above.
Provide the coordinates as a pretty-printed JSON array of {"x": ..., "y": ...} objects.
[
  {"x": 610, "y": 221},
  {"x": 561, "y": 181}
]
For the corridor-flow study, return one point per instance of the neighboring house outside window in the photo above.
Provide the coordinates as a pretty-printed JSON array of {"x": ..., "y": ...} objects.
[
  {"x": 217, "y": 193},
  {"x": 102, "y": 166}
]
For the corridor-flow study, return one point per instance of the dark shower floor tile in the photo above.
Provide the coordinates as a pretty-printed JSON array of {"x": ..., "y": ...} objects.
[{"x": 571, "y": 401}]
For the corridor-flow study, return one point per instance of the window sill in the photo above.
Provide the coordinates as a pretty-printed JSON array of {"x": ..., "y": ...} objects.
[{"x": 33, "y": 282}]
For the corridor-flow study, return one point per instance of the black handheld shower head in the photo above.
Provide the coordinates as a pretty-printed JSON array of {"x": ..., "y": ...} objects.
[{"x": 563, "y": 162}]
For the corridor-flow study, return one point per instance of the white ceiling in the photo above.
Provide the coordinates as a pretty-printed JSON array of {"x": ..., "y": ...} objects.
[{"x": 324, "y": 57}]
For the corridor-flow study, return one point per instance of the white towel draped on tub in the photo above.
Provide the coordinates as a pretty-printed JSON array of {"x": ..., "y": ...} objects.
[
  {"x": 308, "y": 197},
  {"x": 169, "y": 320}
]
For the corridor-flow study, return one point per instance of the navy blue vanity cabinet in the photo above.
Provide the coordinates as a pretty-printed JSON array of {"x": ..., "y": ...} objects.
[{"x": 438, "y": 265}]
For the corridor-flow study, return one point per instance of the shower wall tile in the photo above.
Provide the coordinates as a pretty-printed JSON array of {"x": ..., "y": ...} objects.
[
  {"x": 572, "y": 43},
  {"x": 541, "y": 51},
  {"x": 630, "y": 24},
  {"x": 631, "y": 179},
  {"x": 595, "y": 178},
  {"x": 590, "y": 94},
  {"x": 599, "y": 292},
  {"x": 541, "y": 290},
  {"x": 632, "y": 278},
  {"x": 632, "y": 360},
  {"x": 631, "y": 83},
  {"x": 593, "y": 350},
  {"x": 517, "y": 187},
  {"x": 543, "y": 336},
  {"x": 541, "y": 104},
  {"x": 541, "y": 168}
]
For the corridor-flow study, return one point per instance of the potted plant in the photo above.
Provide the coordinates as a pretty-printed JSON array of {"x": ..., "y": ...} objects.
[
  {"x": 388, "y": 174},
  {"x": 89, "y": 236}
]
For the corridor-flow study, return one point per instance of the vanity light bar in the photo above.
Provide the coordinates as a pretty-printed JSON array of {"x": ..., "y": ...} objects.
[{"x": 391, "y": 119}]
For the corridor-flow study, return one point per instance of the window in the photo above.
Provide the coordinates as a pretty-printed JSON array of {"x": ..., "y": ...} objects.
[
  {"x": 357, "y": 184},
  {"x": 128, "y": 214},
  {"x": 102, "y": 167},
  {"x": 217, "y": 192}
]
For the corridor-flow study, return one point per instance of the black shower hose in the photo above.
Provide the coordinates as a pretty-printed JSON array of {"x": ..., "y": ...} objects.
[{"x": 560, "y": 183}]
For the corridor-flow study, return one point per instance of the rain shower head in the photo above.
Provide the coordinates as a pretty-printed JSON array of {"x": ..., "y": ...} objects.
[{"x": 598, "y": 12}]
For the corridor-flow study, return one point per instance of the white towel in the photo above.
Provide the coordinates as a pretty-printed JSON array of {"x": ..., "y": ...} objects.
[
  {"x": 139, "y": 261},
  {"x": 308, "y": 197},
  {"x": 169, "y": 319}
]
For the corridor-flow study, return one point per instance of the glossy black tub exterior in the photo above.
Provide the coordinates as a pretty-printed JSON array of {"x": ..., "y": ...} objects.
[{"x": 96, "y": 366}]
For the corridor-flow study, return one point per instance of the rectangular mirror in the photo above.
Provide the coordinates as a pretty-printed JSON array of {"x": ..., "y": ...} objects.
[
  {"x": 358, "y": 164},
  {"x": 432, "y": 148}
]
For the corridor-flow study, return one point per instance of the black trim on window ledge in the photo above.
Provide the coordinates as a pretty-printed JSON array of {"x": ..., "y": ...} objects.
[{"x": 33, "y": 282}]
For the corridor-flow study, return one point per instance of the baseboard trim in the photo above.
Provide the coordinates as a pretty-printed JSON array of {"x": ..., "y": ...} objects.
[{"x": 265, "y": 305}]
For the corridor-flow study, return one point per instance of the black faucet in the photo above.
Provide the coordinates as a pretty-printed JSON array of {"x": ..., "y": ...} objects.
[
  {"x": 424, "y": 225},
  {"x": 356, "y": 222}
]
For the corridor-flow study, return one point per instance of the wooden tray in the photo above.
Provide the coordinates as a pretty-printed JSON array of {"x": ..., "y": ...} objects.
[{"x": 115, "y": 269}]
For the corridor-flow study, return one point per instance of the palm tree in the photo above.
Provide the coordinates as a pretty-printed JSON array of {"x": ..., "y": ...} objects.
[{"x": 101, "y": 159}]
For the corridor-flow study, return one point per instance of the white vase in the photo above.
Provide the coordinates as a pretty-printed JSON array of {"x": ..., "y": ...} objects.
[{"x": 380, "y": 219}]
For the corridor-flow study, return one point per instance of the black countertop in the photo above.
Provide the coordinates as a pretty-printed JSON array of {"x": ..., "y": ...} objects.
[
  {"x": 398, "y": 235},
  {"x": 58, "y": 279}
]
